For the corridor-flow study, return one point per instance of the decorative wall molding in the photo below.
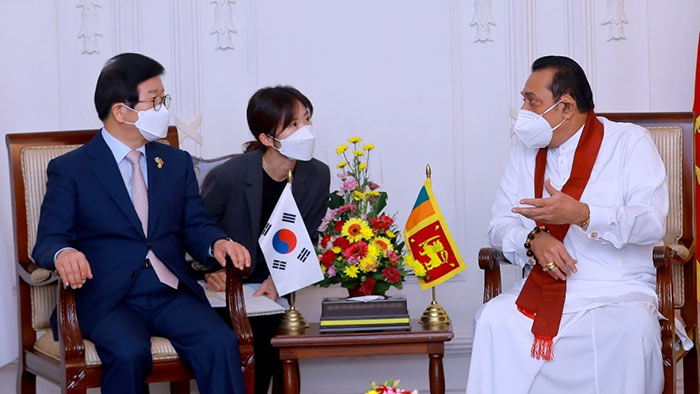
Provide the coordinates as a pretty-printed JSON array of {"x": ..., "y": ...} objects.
[
  {"x": 458, "y": 117},
  {"x": 187, "y": 74},
  {"x": 188, "y": 130},
  {"x": 89, "y": 26},
  {"x": 482, "y": 21},
  {"x": 126, "y": 26},
  {"x": 615, "y": 18},
  {"x": 223, "y": 23}
]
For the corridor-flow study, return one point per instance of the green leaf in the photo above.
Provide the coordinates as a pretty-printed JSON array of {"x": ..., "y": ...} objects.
[
  {"x": 379, "y": 204},
  {"x": 381, "y": 287},
  {"x": 335, "y": 200}
]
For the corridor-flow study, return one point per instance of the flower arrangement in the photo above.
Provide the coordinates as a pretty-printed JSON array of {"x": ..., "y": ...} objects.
[
  {"x": 359, "y": 245},
  {"x": 389, "y": 387}
]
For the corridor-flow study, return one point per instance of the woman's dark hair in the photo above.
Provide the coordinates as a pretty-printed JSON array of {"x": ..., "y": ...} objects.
[
  {"x": 272, "y": 109},
  {"x": 568, "y": 78},
  {"x": 119, "y": 79}
]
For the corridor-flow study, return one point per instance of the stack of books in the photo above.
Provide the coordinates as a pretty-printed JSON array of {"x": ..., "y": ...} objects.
[{"x": 358, "y": 314}]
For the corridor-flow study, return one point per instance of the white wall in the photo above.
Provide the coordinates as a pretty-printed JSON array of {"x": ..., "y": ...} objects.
[{"x": 406, "y": 75}]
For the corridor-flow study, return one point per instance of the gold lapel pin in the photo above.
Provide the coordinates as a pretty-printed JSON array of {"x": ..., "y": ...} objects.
[{"x": 159, "y": 162}]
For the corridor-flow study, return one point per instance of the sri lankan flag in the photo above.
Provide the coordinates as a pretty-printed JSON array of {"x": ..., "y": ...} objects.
[
  {"x": 696, "y": 112},
  {"x": 430, "y": 242}
]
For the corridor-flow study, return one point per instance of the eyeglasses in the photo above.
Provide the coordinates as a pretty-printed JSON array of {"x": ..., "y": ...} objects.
[{"x": 158, "y": 102}]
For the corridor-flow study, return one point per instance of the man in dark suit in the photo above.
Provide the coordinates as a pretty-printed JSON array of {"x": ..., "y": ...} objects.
[{"x": 118, "y": 215}]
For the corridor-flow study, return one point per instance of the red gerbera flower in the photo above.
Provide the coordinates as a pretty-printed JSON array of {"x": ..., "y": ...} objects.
[
  {"x": 357, "y": 250},
  {"x": 381, "y": 222},
  {"x": 338, "y": 226}
]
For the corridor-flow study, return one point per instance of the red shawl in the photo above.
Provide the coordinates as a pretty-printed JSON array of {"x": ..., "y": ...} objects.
[{"x": 542, "y": 297}]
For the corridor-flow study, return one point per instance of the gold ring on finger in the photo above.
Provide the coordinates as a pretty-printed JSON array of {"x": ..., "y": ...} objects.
[{"x": 550, "y": 266}]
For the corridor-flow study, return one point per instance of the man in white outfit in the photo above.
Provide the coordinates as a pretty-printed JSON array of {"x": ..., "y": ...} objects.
[{"x": 582, "y": 202}]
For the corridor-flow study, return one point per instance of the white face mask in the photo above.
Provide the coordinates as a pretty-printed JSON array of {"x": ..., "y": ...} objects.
[
  {"x": 152, "y": 124},
  {"x": 300, "y": 145},
  {"x": 533, "y": 129}
]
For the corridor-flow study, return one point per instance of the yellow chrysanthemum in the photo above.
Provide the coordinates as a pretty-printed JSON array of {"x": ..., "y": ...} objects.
[
  {"x": 358, "y": 153},
  {"x": 368, "y": 264},
  {"x": 415, "y": 265},
  {"x": 362, "y": 166},
  {"x": 383, "y": 243},
  {"x": 390, "y": 234},
  {"x": 323, "y": 269},
  {"x": 342, "y": 164},
  {"x": 340, "y": 149},
  {"x": 352, "y": 229},
  {"x": 419, "y": 270},
  {"x": 351, "y": 271},
  {"x": 358, "y": 195},
  {"x": 368, "y": 233},
  {"x": 337, "y": 249},
  {"x": 372, "y": 193},
  {"x": 368, "y": 147},
  {"x": 354, "y": 140},
  {"x": 373, "y": 391},
  {"x": 373, "y": 251}
]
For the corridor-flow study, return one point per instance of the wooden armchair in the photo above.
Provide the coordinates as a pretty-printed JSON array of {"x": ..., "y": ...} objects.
[
  {"x": 73, "y": 363},
  {"x": 676, "y": 283}
]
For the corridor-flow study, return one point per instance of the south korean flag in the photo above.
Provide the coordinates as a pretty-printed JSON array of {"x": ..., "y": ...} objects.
[{"x": 287, "y": 247}]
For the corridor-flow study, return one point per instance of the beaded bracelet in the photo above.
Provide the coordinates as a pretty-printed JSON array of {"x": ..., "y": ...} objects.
[{"x": 530, "y": 237}]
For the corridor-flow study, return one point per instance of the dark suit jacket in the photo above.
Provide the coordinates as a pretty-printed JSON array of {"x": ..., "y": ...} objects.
[
  {"x": 87, "y": 207},
  {"x": 232, "y": 194}
]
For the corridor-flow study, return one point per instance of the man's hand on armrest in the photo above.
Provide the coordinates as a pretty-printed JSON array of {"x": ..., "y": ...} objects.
[
  {"x": 73, "y": 268},
  {"x": 238, "y": 253}
]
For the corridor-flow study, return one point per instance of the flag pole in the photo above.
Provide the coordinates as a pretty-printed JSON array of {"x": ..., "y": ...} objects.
[
  {"x": 434, "y": 314},
  {"x": 292, "y": 320}
]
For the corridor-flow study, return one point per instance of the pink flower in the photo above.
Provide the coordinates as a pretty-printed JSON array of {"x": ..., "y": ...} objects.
[
  {"x": 342, "y": 175},
  {"x": 346, "y": 208},
  {"x": 373, "y": 186},
  {"x": 350, "y": 184},
  {"x": 393, "y": 257},
  {"x": 331, "y": 271}
]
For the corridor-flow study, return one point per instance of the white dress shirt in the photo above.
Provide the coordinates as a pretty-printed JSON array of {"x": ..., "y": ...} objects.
[{"x": 628, "y": 200}]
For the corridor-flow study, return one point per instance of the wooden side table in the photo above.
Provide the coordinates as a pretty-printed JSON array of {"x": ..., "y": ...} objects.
[{"x": 310, "y": 343}]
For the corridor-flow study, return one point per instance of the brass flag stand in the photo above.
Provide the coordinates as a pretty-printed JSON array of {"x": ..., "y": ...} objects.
[
  {"x": 292, "y": 320},
  {"x": 434, "y": 314}
]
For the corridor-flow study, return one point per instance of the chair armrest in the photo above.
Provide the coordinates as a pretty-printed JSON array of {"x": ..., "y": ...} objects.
[
  {"x": 235, "y": 303},
  {"x": 70, "y": 339},
  {"x": 34, "y": 275},
  {"x": 490, "y": 260},
  {"x": 663, "y": 260}
]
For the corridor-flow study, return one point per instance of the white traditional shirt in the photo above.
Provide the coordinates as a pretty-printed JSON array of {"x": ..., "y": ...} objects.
[{"x": 628, "y": 200}]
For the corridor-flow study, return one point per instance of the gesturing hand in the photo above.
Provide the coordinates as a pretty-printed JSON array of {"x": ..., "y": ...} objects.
[
  {"x": 73, "y": 268},
  {"x": 267, "y": 288},
  {"x": 548, "y": 249},
  {"x": 238, "y": 253},
  {"x": 559, "y": 208}
]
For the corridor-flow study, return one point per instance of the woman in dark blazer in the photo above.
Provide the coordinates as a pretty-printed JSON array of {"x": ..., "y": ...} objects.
[{"x": 241, "y": 194}]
